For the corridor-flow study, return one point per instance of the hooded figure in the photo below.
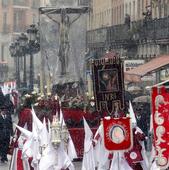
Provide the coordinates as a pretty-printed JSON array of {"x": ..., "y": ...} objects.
[
  {"x": 101, "y": 153},
  {"x": 88, "y": 162},
  {"x": 136, "y": 157},
  {"x": 19, "y": 160}
]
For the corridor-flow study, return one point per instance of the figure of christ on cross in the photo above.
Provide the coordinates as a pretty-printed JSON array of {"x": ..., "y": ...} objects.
[{"x": 64, "y": 39}]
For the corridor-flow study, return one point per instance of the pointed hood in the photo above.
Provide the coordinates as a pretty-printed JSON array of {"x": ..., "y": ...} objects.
[
  {"x": 26, "y": 150},
  {"x": 61, "y": 119},
  {"x": 88, "y": 136},
  {"x": 44, "y": 135},
  {"x": 3, "y": 90},
  {"x": 36, "y": 122},
  {"x": 25, "y": 132},
  {"x": 37, "y": 127},
  {"x": 49, "y": 129},
  {"x": 71, "y": 148},
  {"x": 132, "y": 115}
]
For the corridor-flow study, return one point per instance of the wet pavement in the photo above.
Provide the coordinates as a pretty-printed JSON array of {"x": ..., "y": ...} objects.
[{"x": 5, "y": 166}]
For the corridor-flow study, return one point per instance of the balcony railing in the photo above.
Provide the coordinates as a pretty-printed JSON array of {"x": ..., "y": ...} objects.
[
  {"x": 19, "y": 28},
  {"x": 155, "y": 30}
]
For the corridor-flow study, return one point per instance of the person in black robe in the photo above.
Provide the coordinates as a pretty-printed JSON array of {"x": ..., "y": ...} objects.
[{"x": 6, "y": 131}]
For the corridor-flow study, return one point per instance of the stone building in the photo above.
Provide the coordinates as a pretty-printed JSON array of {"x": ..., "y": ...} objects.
[
  {"x": 16, "y": 16},
  {"x": 137, "y": 29}
]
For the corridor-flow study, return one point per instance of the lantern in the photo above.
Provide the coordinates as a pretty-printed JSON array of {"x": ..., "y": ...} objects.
[
  {"x": 65, "y": 134},
  {"x": 55, "y": 132}
]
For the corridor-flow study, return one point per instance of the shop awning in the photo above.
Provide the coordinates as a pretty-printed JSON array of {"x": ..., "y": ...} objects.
[{"x": 156, "y": 64}]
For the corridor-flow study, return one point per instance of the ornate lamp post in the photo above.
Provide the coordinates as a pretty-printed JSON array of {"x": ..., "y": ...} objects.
[
  {"x": 23, "y": 39},
  {"x": 15, "y": 52},
  {"x": 18, "y": 52},
  {"x": 32, "y": 37}
]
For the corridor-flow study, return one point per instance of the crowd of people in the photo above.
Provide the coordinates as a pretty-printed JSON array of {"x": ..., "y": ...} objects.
[{"x": 47, "y": 107}]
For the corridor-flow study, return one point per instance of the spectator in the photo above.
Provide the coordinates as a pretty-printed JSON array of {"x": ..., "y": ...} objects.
[
  {"x": 2, "y": 98},
  {"x": 6, "y": 131}
]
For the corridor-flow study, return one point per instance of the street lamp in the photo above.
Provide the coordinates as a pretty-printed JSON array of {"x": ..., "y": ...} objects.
[
  {"x": 23, "y": 39},
  {"x": 12, "y": 49},
  {"x": 18, "y": 52},
  {"x": 32, "y": 37}
]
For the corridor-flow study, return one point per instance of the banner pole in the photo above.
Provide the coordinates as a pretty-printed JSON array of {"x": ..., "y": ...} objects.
[{"x": 118, "y": 159}]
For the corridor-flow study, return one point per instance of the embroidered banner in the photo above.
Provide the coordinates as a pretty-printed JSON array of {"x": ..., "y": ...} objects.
[
  {"x": 108, "y": 83},
  {"x": 117, "y": 133},
  {"x": 160, "y": 115}
]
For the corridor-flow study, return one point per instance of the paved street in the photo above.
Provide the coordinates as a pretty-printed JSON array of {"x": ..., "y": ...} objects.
[{"x": 6, "y": 166}]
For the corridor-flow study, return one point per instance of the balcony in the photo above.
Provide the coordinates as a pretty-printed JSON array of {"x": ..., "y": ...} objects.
[
  {"x": 19, "y": 29},
  {"x": 156, "y": 30}
]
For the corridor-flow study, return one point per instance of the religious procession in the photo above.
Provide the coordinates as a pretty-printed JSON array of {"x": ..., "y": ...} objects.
[
  {"x": 54, "y": 132},
  {"x": 84, "y": 85}
]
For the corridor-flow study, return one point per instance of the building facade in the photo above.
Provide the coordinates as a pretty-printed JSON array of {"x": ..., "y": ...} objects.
[
  {"x": 16, "y": 16},
  {"x": 136, "y": 29}
]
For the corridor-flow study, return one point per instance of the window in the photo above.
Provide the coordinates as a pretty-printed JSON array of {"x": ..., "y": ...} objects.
[
  {"x": 142, "y": 5},
  {"x": 130, "y": 8},
  {"x": 138, "y": 9},
  {"x": 35, "y": 3},
  {"x": 19, "y": 21},
  {"x": 5, "y": 3},
  {"x": 20, "y": 2},
  {"x": 122, "y": 12},
  {"x": 5, "y": 26},
  {"x": 134, "y": 10},
  {"x": 2, "y": 52},
  {"x": 4, "y": 18},
  {"x": 165, "y": 9},
  {"x": 34, "y": 19},
  {"x": 120, "y": 15},
  {"x": 126, "y": 6}
]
